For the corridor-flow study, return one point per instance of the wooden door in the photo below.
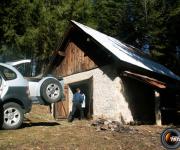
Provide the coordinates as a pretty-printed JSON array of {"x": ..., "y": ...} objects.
[{"x": 61, "y": 108}]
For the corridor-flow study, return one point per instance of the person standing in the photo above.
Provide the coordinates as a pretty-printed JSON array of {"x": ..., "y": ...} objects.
[{"x": 77, "y": 102}]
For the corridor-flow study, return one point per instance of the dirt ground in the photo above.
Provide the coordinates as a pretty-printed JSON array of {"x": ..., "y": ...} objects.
[{"x": 41, "y": 132}]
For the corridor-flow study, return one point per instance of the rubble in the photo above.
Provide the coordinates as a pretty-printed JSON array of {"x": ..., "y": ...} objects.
[{"x": 108, "y": 125}]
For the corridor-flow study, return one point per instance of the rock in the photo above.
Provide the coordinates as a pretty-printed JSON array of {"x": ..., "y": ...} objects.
[
  {"x": 107, "y": 122},
  {"x": 107, "y": 138},
  {"x": 98, "y": 129},
  {"x": 103, "y": 125},
  {"x": 98, "y": 122}
]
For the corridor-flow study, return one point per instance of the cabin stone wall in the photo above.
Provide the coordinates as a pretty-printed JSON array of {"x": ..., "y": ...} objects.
[{"x": 108, "y": 97}]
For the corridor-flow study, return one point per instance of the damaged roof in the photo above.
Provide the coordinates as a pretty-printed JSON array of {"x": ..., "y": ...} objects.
[{"x": 124, "y": 52}]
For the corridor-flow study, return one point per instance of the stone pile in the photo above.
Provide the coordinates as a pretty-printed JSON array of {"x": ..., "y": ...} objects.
[{"x": 104, "y": 124}]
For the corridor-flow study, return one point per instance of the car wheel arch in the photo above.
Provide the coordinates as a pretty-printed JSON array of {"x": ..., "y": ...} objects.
[{"x": 14, "y": 100}]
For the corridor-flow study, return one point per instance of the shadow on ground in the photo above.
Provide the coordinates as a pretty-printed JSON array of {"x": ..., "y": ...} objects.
[{"x": 33, "y": 124}]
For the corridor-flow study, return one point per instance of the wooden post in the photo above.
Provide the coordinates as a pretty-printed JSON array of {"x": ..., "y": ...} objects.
[{"x": 157, "y": 108}]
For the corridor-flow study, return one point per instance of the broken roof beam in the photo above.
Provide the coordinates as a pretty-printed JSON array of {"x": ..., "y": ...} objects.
[
  {"x": 60, "y": 53},
  {"x": 146, "y": 79},
  {"x": 57, "y": 52}
]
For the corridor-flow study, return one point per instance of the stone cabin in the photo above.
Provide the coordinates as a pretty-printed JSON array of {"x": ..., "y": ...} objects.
[{"x": 119, "y": 81}]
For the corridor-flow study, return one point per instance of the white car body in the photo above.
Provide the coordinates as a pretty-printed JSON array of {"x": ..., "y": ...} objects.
[
  {"x": 19, "y": 62},
  {"x": 14, "y": 97},
  {"x": 35, "y": 84},
  {"x": 19, "y": 81}
]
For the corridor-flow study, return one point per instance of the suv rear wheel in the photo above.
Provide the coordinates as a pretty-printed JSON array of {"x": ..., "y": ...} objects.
[{"x": 13, "y": 116}]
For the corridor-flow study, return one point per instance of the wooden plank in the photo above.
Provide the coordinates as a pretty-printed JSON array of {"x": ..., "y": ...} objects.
[
  {"x": 157, "y": 108},
  {"x": 61, "y": 53},
  {"x": 75, "y": 61},
  {"x": 62, "y": 108},
  {"x": 146, "y": 79}
]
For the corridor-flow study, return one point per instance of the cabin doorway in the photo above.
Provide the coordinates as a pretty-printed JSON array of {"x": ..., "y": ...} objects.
[
  {"x": 141, "y": 100},
  {"x": 86, "y": 88}
]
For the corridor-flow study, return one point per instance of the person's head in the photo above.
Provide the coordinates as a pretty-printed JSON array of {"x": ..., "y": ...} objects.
[{"x": 78, "y": 90}]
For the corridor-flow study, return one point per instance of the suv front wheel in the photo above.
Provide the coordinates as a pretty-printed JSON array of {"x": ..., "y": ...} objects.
[{"x": 13, "y": 116}]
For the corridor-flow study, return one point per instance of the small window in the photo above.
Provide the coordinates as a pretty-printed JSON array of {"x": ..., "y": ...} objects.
[{"x": 8, "y": 74}]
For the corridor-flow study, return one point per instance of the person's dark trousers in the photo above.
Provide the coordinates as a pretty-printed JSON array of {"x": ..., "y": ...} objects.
[
  {"x": 83, "y": 113},
  {"x": 76, "y": 107}
]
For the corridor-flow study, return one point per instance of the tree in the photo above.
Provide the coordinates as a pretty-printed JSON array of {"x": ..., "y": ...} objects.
[{"x": 33, "y": 28}]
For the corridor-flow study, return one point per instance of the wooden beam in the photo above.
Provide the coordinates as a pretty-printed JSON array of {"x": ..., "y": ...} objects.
[
  {"x": 157, "y": 108},
  {"x": 146, "y": 79},
  {"x": 61, "y": 53}
]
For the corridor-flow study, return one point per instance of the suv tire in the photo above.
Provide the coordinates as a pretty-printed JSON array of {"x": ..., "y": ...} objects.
[
  {"x": 51, "y": 90},
  {"x": 13, "y": 116}
]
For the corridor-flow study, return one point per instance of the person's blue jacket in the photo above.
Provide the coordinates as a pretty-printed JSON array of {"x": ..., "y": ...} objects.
[{"x": 77, "y": 97}]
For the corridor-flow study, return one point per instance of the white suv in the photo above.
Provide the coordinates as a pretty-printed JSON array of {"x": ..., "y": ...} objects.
[
  {"x": 14, "y": 97},
  {"x": 43, "y": 89}
]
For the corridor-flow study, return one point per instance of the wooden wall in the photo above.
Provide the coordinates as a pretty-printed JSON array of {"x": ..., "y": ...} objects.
[{"x": 75, "y": 61}]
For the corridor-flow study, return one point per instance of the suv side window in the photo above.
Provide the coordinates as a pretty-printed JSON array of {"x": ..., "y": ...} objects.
[
  {"x": 8, "y": 74},
  {"x": 24, "y": 69}
]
